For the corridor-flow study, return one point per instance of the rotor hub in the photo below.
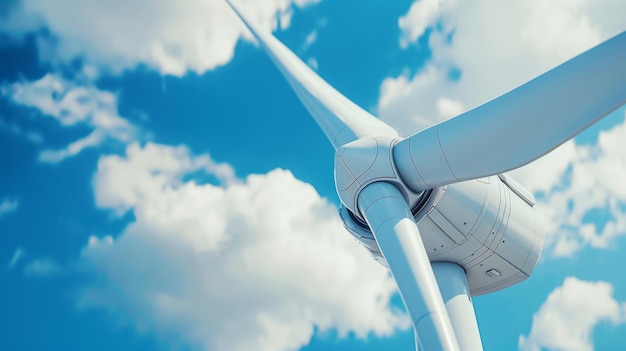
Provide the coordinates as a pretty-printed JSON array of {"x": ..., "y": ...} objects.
[{"x": 363, "y": 162}]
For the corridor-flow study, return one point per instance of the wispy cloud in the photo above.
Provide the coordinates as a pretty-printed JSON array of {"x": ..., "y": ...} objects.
[
  {"x": 42, "y": 267},
  {"x": 74, "y": 104},
  {"x": 74, "y": 148},
  {"x": 17, "y": 255},
  {"x": 15, "y": 129},
  {"x": 310, "y": 39},
  {"x": 7, "y": 206}
]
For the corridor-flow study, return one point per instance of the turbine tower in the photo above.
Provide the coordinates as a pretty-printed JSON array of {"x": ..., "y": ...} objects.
[{"x": 435, "y": 207}]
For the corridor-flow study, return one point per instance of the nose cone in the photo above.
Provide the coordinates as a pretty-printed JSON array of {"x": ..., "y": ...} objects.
[{"x": 362, "y": 162}]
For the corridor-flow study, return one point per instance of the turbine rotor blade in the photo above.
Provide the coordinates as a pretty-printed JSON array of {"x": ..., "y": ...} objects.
[
  {"x": 390, "y": 219},
  {"x": 456, "y": 295},
  {"x": 519, "y": 126},
  {"x": 341, "y": 120}
]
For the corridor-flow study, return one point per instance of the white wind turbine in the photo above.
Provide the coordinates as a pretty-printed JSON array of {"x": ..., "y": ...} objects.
[{"x": 435, "y": 207}]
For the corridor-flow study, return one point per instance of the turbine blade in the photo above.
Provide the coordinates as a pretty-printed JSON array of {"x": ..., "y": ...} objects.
[
  {"x": 400, "y": 242},
  {"x": 341, "y": 120},
  {"x": 520, "y": 126},
  {"x": 456, "y": 295}
]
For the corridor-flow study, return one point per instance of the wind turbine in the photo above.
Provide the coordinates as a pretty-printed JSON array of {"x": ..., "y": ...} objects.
[{"x": 435, "y": 207}]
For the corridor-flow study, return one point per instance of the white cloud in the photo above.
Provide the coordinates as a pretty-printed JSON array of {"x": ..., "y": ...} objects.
[
  {"x": 421, "y": 15},
  {"x": 449, "y": 108},
  {"x": 575, "y": 180},
  {"x": 496, "y": 46},
  {"x": 7, "y": 206},
  {"x": 122, "y": 182},
  {"x": 73, "y": 104},
  {"x": 74, "y": 148},
  {"x": 567, "y": 318},
  {"x": 544, "y": 174},
  {"x": 173, "y": 36},
  {"x": 252, "y": 265}
]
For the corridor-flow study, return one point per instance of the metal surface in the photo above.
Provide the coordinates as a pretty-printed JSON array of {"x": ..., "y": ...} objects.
[
  {"x": 456, "y": 295},
  {"x": 480, "y": 225},
  {"x": 482, "y": 230},
  {"x": 392, "y": 223},
  {"x": 341, "y": 120},
  {"x": 519, "y": 126}
]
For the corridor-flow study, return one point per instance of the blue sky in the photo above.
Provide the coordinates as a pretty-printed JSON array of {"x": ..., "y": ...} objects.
[{"x": 162, "y": 187}]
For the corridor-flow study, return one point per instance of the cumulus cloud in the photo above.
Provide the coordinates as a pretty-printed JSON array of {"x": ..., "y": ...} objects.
[
  {"x": 567, "y": 318},
  {"x": 495, "y": 46},
  {"x": 254, "y": 264},
  {"x": 422, "y": 14},
  {"x": 576, "y": 180},
  {"x": 481, "y": 50},
  {"x": 174, "y": 37},
  {"x": 73, "y": 104}
]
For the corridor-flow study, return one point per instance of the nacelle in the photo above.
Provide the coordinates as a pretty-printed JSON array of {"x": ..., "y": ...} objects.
[{"x": 488, "y": 226}]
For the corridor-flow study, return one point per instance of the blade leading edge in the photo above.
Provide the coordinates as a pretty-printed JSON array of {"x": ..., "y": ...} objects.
[
  {"x": 520, "y": 126},
  {"x": 341, "y": 120}
]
